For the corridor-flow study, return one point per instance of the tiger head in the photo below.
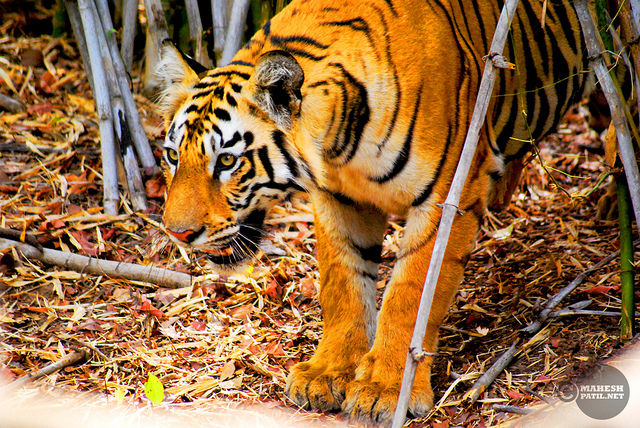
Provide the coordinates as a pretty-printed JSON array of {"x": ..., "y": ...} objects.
[{"x": 227, "y": 156}]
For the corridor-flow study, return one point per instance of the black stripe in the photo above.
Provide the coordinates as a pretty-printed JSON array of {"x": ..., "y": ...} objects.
[
  {"x": 278, "y": 139},
  {"x": 251, "y": 172},
  {"x": 202, "y": 84},
  {"x": 232, "y": 101},
  {"x": 243, "y": 63},
  {"x": 236, "y": 88},
  {"x": 218, "y": 92},
  {"x": 370, "y": 254},
  {"x": 403, "y": 157},
  {"x": 191, "y": 108},
  {"x": 245, "y": 76},
  {"x": 436, "y": 175},
  {"x": 222, "y": 114},
  {"x": 391, "y": 7},
  {"x": 236, "y": 137},
  {"x": 201, "y": 94},
  {"x": 285, "y": 40},
  {"x": 304, "y": 54},
  {"x": 263, "y": 154},
  {"x": 343, "y": 199},
  {"x": 266, "y": 29},
  {"x": 356, "y": 24},
  {"x": 248, "y": 139}
]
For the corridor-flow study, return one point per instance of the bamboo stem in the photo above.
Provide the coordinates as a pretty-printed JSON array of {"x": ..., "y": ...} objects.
[
  {"x": 157, "y": 31},
  {"x": 615, "y": 104},
  {"x": 140, "y": 139},
  {"x": 101, "y": 95},
  {"x": 121, "y": 128},
  {"x": 220, "y": 12},
  {"x": 627, "y": 326},
  {"x": 78, "y": 32},
  {"x": 129, "y": 29},
  {"x": 195, "y": 31},
  {"x": 449, "y": 210},
  {"x": 237, "y": 22}
]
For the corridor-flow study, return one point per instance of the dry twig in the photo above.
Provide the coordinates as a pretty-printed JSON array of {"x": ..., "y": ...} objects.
[
  {"x": 130, "y": 271},
  {"x": 68, "y": 360}
]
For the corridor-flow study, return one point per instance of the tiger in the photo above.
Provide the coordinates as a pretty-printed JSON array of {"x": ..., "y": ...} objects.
[{"x": 364, "y": 105}]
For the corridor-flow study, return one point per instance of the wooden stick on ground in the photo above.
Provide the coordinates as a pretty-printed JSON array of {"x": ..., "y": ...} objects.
[
  {"x": 130, "y": 271},
  {"x": 449, "y": 210},
  {"x": 68, "y": 360},
  {"x": 9, "y": 104}
]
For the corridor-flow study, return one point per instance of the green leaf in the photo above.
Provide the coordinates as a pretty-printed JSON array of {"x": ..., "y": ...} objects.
[{"x": 154, "y": 390}]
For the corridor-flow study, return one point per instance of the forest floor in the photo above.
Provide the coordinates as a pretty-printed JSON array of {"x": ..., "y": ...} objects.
[{"x": 234, "y": 339}]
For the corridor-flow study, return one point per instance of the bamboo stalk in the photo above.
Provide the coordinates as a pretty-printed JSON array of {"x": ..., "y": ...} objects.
[
  {"x": 627, "y": 325},
  {"x": 121, "y": 128},
  {"x": 140, "y": 139},
  {"x": 449, "y": 210},
  {"x": 129, "y": 29},
  {"x": 101, "y": 95},
  {"x": 157, "y": 31},
  {"x": 78, "y": 32},
  {"x": 615, "y": 104},
  {"x": 237, "y": 22},
  {"x": 195, "y": 31},
  {"x": 91, "y": 265},
  {"x": 220, "y": 12}
]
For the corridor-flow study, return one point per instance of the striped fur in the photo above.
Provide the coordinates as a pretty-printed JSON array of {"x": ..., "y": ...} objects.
[{"x": 364, "y": 105}]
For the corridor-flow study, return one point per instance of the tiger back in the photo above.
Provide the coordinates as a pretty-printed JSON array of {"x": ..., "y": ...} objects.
[{"x": 365, "y": 106}]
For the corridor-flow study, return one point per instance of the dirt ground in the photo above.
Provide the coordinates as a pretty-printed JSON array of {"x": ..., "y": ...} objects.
[{"x": 235, "y": 338}]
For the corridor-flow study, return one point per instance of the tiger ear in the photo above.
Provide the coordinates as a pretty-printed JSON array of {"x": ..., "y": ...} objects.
[
  {"x": 278, "y": 78},
  {"x": 177, "y": 74}
]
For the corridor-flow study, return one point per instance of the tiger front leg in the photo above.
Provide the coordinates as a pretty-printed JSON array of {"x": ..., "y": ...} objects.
[
  {"x": 373, "y": 395},
  {"x": 349, "y": 238}
]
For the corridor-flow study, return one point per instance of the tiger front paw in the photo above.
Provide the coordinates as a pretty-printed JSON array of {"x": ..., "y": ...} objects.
[
  {"x": 312, "y": 385},
  {"x": 373, "y": 395}
]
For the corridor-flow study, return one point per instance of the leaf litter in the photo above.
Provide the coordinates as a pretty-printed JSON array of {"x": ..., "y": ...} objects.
[{"x": 234, "y": 339}]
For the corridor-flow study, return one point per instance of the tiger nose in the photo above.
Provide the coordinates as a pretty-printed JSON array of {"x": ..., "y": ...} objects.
[{"x": 187, "y": 236}]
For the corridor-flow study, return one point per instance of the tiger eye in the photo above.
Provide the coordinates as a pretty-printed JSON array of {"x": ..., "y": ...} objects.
[
  {"x": 172, "y": 155},
  {"x": 227, "y": 160}
]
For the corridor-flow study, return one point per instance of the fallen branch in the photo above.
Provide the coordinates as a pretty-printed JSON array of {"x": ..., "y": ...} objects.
[
  {"x": 505, "y": 359},
  {"x": 128, "y": 271},
  {"x": 512, "y": 409},
  {"x": 68, "y": 360},
  {"x": 9, "y": 104}
]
